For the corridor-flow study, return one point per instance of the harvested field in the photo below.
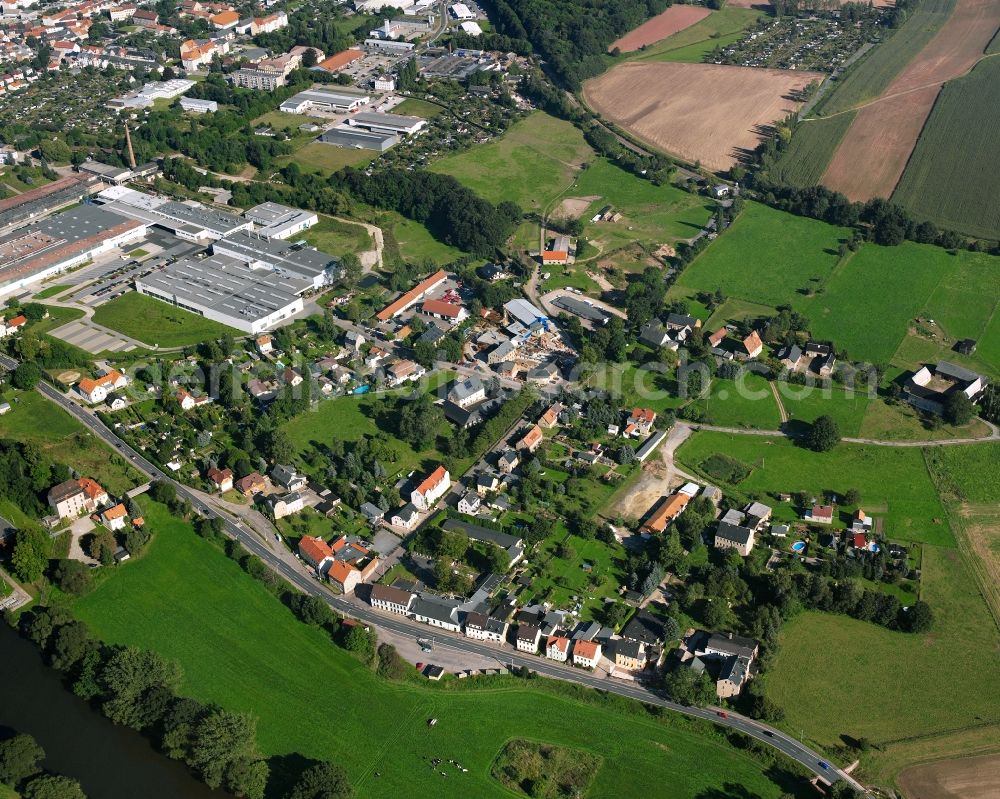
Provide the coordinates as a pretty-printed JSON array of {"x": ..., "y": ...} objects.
[
  {"x": 963, "y": 778},
  {"x": 675, "y": 18},
  {"x": 666, "y": 105},
  {"x": 873, "y": 154}
]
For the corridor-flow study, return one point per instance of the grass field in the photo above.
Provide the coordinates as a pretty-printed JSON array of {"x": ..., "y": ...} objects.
[
  {"x": 968, "y": 474},
  {"x": 747, "y": 402},
  {"x": 415, "y": 107},
  {"x": 951, "y": 177},
  {"x": 325, "y": 158},
  {"x": 894, "y": 478},
  {"x": 719, "y": 29},
  {"x": 51, "y": 291},
  {"x": 336, "y": 237},
  {"x": 157, "y": 323},
  {"x": 766, "y": 256},
  {"x": 811, "y": 148},
  {"x": 530, "y": 164},
  {"x": 653, "y": 215},
  {"x": 412, "y": 242},
  {"x": 888, "y": 686},
  {"x": 243, "y": 649},
  {"x": 868, "y": 305},
  {"x": 35, "y": 420},
  {"x": 806, "y": 403}
]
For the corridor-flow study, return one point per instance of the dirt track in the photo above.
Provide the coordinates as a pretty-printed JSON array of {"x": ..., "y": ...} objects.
[
  {"x": 964, "y": 778},
  {"x": 699, "y": 112},
  {"x": 675, "y": 18},
  {"x": 873, "y": 154}
]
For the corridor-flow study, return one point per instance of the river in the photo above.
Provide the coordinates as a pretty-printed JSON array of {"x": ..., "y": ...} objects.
[{"x": 111, "y": 762}]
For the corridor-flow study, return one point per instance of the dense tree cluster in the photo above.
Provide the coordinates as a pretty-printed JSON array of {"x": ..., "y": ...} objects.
[
  {"x": 572, "y": 36},
  {"x": 20, "y": 767},
  {"x": 451, "y": 212}
]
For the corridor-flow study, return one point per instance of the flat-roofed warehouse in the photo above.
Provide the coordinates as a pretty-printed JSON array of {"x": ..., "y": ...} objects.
[
  {"x": 377, "y": 122},
  {"x": 359, "y": 139},
  {"x": 190, "y": 221},
  {"x": 228, "y": 291},
  {"x": 292, "y": 259},
  {"x": 276, "y": 221},
  {"x": 582, "y": 309},
  {"x": 45, "y": 199},
  {"x": 328, "y": 100},
  {"x": 60, "y": 242}
]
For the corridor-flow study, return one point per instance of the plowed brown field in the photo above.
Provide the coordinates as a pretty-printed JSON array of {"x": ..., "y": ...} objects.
[
  {"x": 675, "y": 18},
  {"x": 966, "y": 778},
  {"x": 871, "y": 158},
  {"x": 699, "y": 112}
]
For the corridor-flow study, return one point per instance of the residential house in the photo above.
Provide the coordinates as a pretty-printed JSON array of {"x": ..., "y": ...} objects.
[
  {"x": 316, "y": 552},
  {"x": 116, "y": 402},
  {"x": 391, "y": 600},
  {"x": 353, "y": 563},
  {"x": 468, "y": 392},
  {"x": 97, "y": 390},
  {"x": 654, "y": 334},
  {"x": 586, "y": 654},
  {"x": 185, "y": 399},
  {"x": 676, "y": 321},
  {"x": 431, "y": 489},
  {"x": 557, "y": 648},
  {"x": 757, "y": 515},
  {"x": 481, "y": 627},
  {"x": 790, "y": 356},
  {"x": 74, "y": 497},
  {"x": 403, "y": 370},
  {"x": 486, "y": 482},
  {"x": 752, "y": 346},
  {"x": 528, "y": 636},
  {"x": 734, "y": 536},
  {"x": 729, "y": 658},
  {"x": 508, "y": 461},
  {"x": 550, "y": 418},
  {"x": 372, "y": 513},
  {"x": 252, "y": 484},
  {"x": 406, "y": 517},
  {"x": 630, "y": 654},
  {"x": 470, "y": 504},
  {"x": 222, "y": 479},
  {"x": 354, "y": 341},
  {"x": 288, "y": 478},
  {"x": 820, "y": 514},
  {"x": 642, "y": 420},
  {"x": 437, "y": 612},
  {"x": 531, "y": 439},
  {"x": 645, "y": 627},
  {"x": 114, "y": 518},
  {"x": 265, "y": 344},
  {"x": 715, "y": 339},
  {"x": 286, "y": 505}
]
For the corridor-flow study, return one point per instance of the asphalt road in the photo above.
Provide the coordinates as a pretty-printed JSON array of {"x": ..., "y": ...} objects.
[{"x": 299, "y": 577}]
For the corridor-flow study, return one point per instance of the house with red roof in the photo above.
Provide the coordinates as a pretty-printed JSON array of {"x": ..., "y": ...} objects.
[
  {"x": 222, "y": 479},
  {"x": 452, "y": 312},
  {"x": 114, "y": 518},
  {"x": 316, "y": 552},
  {"x": 557, "y": 648},
  {"x": 586, "y": 654},
  {"x": 431, "y": 489},
  {"x": 752, "y": 345},
  {"x": 531, "y": 439},
  {"x": 642, "y": 420},
  {"x": 820, "y": 514}
]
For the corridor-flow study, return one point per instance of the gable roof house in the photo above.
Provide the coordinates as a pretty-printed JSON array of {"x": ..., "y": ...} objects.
[
  {"x": 531, "y": 439},
  {"x": 734, "y": 536},
  {"x": 286, "y": 505},
  {"x": 436, "y": 611},
  {"x": 668, "y": 509},
  {"x": 288, "y": 478},
  {"x": 316, "y": 552},
  {"x": 752, "y": 346},
  {"x": 74, "y": 497},
  {"x": 391, "y": 600},
  {"x": 654, "y": 334},
  {"x": 114, "y": 518},
  {"x": 508, "y": 461},
  {"x": 222, "y": 479},
  {"x": 557, "y": 648},
  {"x": 431, "y": 489},
  {"x": 528, "y": 636},
  {"x": 468, "y": 392},
  {"x": 253, "y": 483},
  {"x": 820, "y": 514},
  {"x": 586, "y": 654},
  {"x": 405, "y": 517}
]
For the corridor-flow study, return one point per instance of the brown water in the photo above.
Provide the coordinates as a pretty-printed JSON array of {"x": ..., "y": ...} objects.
[{"x": 111, "y": 762}]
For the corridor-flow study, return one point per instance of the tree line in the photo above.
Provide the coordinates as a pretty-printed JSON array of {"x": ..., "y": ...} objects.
[{"x": 21, "y": 759}]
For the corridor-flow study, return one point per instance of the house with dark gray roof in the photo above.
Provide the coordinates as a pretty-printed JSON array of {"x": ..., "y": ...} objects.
[
  {"x": 734, "y": 536},
  {"x": 436, "y": 611}
]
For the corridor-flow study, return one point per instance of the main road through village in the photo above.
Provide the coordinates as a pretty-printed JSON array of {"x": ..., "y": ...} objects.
[{"x": 285, "y": 565}]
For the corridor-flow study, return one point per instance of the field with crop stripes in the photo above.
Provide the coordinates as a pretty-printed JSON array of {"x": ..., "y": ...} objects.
[{"x": 952, "y": 178}]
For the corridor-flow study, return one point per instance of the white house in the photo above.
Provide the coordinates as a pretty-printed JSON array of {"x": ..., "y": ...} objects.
[
  {"x": 406, "y": 517},
  {"x": 286, "y": 505},
  {"x": 528, "y": 636},
  {"x": 586, "y": 654},
  {"x": 391, "y": 600},
  {"x": 114, "y": 518},
  {"x": 557, "y": 648},
  {"x": 470, "y": 503},
  {"x": 437, "y": 612},
  {"x": 433, "y": 487}
]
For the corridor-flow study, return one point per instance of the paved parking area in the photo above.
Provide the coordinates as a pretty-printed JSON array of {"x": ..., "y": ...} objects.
[{"x": 92, "y": 338}]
